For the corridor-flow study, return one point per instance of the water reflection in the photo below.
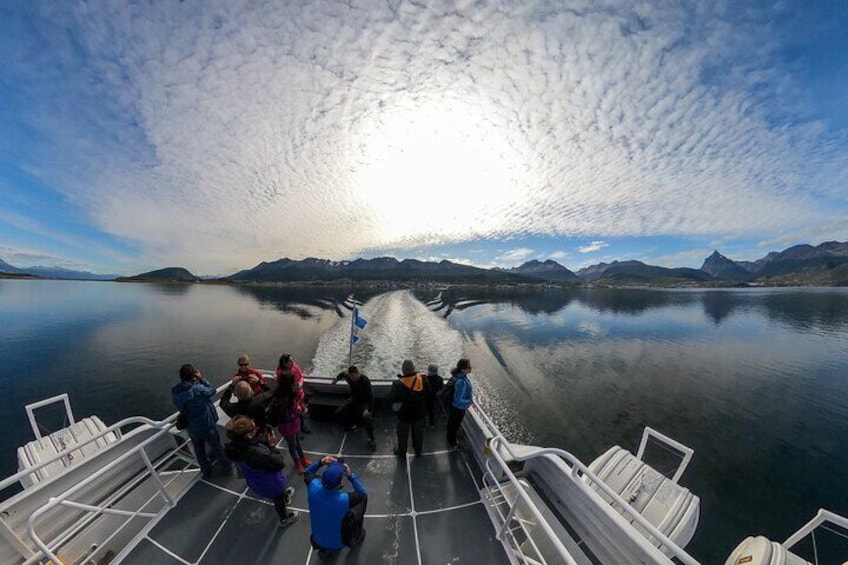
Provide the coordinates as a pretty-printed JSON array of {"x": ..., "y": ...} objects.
[
  {"x": 823, "y": 310},
  {"x": 302, "y": 300}
]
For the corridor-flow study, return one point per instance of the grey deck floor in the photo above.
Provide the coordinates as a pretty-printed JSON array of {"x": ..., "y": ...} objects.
[{"x": 421, "y": 510}]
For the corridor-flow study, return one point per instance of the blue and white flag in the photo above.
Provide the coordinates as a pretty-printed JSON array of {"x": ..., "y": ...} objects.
[
  {"x": 358, "y": 320},
  {"x": 357, "y": 323}
]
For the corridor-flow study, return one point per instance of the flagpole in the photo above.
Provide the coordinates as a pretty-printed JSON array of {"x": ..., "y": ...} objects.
[{"x": 350, "y": 339}]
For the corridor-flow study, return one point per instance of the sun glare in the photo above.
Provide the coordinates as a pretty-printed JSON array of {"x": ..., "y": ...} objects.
[{"x": 444, "y": 164}]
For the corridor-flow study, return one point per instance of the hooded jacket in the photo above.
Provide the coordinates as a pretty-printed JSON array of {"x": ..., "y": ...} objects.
[
  {"x": 194, "y": 400},
  {"x": 261, "y": 466},
  {"x": 410, "y": 391}
]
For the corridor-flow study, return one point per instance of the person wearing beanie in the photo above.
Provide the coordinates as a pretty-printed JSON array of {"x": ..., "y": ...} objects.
[
  {"x": 408, "y": 395},
  {"x": 336, "y": 516},
  {"x": 462, "y": 398},
  {"x": 261, "y": 465},
  {"x": 436, "y": 383}
]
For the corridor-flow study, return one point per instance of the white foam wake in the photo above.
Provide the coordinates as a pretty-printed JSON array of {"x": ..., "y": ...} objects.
[{"x": 399, "y": 327}]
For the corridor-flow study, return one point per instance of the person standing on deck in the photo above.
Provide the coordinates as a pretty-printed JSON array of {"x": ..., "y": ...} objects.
[
  {"x": 283, "y": 411},
  {"x": 359, "y": 408},
  {"x": 336, "y": 516},
  {"x": 248, "y": 404},
  {"x": 288, "y": 364},
  {"x": 193, "y": 398},
  {"x": 463, "y": 398},
  {"x": 251, "y": 376},
  {"x": 261, "y": 465},
  {"x": 436, "y": 383},
  {"x": 407, "y": 395}
]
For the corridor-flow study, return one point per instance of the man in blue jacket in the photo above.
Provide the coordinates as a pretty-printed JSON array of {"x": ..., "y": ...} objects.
[
  {"x": 336, "y": 516},
  {"x": 193, "y": 397}
]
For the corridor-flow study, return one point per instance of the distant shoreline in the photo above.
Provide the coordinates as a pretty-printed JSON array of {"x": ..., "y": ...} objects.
[{"x": 541, "y": 285}]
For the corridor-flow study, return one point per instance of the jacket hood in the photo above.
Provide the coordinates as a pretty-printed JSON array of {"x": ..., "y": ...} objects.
[{"x": 414, "y": 383}]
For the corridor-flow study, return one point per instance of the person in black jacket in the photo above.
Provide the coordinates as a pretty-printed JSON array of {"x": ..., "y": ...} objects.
[
  {"x": 436, "y": 383},
  {"x": 408, "y": 395},
  {"x": 358, "y": 410},
  {"x": 261, "y": 465},
  {"x": 248, "y": 404}
]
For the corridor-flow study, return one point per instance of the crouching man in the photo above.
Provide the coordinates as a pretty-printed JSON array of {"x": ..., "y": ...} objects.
[{"x": 336, "y": 515}]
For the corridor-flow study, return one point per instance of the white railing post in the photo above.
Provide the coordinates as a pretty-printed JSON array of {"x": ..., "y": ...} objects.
[{"x": 156, "y": 478}]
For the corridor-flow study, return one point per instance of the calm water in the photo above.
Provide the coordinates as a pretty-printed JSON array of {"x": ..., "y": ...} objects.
[{"x": 756, "y": 381}]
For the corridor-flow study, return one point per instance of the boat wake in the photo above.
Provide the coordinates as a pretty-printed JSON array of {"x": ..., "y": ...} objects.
[{"x": 399, "y": 327}]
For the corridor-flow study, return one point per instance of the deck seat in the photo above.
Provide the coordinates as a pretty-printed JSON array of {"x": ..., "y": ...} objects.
[
  {"x": 670, "y": 507},
  {"x": 38, "y": 450}
]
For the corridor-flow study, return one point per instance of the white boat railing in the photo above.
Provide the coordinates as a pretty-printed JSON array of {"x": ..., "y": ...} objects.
[
  {"x": 822, "y": 517},
  {"x": 164, "y": 427},
  {"x": 578, "y": 472}
]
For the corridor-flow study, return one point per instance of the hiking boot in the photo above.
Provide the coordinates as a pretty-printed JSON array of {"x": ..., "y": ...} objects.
[
  {"x": 289, "y": 494},
  {"x": 305, "y": 461},
  {"x": 299, "y": 467},
  {"x": 290, "y": 519}
]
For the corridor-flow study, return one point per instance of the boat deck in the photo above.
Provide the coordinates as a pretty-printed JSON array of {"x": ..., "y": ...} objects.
[{"x": 421, "y": 510}]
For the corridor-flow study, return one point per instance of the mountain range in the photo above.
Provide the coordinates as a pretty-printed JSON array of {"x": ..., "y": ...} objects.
[
  {"x": 52, "y": 273},
  {"x": 800, "y": 265}
]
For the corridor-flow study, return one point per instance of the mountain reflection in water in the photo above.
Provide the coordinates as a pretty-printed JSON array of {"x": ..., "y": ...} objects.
[{"x": 752, "y": 379}]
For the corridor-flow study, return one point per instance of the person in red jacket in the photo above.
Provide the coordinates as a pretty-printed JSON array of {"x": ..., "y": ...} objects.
[
  {"x": 288, "y": 364},
  {"x": 251, "y": 376}
]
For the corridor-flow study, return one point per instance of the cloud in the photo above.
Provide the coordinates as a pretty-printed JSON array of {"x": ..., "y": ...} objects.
[
  {"x": 514, "y": 256},
  {"x": 229, "y": 136},
  {"x": 592, "y": 247}
]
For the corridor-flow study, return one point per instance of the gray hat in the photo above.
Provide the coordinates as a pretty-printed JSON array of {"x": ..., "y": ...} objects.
[
  {"x": 408, "y": 369},
  {"x": 432, "y": 369}
]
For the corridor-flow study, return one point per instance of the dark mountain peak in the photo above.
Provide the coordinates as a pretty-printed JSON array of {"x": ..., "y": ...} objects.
[
  {"x": 170, "y": 274},
  {"x": 720, "y": 267},
  {"x": 549, "y": 270}
]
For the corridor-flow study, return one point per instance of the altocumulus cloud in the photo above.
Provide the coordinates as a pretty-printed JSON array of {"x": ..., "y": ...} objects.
[{"x": 230, "y": 136}]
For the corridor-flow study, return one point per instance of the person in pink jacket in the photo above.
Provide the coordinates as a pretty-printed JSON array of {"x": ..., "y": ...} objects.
[
  {"x": 284, "y": 412},
  {"x": 288, "y": 364}
]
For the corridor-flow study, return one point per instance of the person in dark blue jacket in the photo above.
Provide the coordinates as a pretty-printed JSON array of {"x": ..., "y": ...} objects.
[
  {"x": 193, "y": 397},
  {"x": 463, "y": 398},
  {"x": 336, "y": 515},
  {"x": 261, "y": 465}
]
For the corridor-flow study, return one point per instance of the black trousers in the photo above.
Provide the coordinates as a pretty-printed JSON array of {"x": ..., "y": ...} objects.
[
  {"x": 403, "y": 429},
  {"x": 454, "y": 420},
  {"x": 351, "y": 413}
]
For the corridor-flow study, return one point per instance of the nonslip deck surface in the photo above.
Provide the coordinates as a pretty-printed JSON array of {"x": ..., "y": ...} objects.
[{"x": 421, "y": 510}]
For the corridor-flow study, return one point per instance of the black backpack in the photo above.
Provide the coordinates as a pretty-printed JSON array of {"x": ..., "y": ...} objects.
[{"x": 446, "y": 394}]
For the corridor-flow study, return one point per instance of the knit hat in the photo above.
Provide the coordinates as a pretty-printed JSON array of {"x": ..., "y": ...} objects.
[
  {"x": 332, "y": 476},
  {"x": 408, "y": 369},
  {"x": 432, "y": 369}
]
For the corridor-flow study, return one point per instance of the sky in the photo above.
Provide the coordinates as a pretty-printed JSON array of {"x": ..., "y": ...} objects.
[{"x": 217, "y": 135}]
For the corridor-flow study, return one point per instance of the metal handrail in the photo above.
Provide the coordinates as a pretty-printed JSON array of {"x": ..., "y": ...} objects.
[
  {"x": 820, "y": 518},
  {"x": 96, "y": 510},
  {"x": 578, "y": 466},
  {"x": 45, "y": 550},
  {"x": 509, "y": 516},
  {"x": 168, "y": 422}
]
